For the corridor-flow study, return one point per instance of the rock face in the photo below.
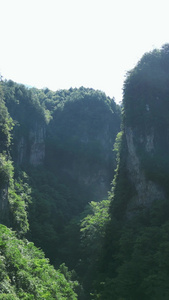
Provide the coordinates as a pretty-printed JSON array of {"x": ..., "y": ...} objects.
[
  {"x": 80, "y": 141},
  {"x": 94, "y": 168},
  {"x": 37, "y": 151},
  {"x": 21, "y": 150},
  {"x": 4, "y": 205},
  {"x": 70, "y": 132},
  {"x": 31, "y": 147},
  {"x": 147, "y": 190},
  {"x": 144, "y": 161}
]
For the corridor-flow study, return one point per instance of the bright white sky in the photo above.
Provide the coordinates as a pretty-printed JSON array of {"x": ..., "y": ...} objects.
[{"x": 71, "y": 43}]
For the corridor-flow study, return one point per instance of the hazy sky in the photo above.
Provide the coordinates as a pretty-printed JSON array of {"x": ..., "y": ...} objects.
[{"x": 71, "y": 43}]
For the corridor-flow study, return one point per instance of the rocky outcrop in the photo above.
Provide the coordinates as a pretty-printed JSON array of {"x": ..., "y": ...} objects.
[
  {"x": 4, "y": 205},
  {"x": 31, "y": 147},
  {"x": 143, "y": 171},
  {"x": 147, "y": 190},
  {"x": 37, "y": 142},
  {"x": 21, "y": 150}
]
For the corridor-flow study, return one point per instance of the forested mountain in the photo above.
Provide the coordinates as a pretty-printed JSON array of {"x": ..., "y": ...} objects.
[
  {"x": 56, "y": 157},
  {"x": 135, "y": 254},
  {"x": 25, "y": 273},
  {"x": 56, "y": 167}
]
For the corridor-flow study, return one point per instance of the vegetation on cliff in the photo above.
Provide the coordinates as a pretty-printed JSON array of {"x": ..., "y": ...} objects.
[
  {"x": 24, "y": 271},
  {"x": 118, "y": 247},
  {"x": 63, "y": 140},
  {"x": 135, "y": 254}
]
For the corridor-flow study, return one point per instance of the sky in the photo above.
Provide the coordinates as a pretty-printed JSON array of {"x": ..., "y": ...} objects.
[{"x": 71, "y": 43}]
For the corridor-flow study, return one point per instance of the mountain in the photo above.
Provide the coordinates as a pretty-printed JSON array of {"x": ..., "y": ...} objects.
[
  {"x": 70, "y": 132},
  {"x": 25, "y": 273},
  {"x": 57, "y": 163},
  {"x": 56, "y": 157},
  {"x": 135, "y": 254}
]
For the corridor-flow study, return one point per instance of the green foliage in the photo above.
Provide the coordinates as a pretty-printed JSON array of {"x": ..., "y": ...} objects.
[
  {"x": 21, "y": 102},
  {"x": 117, "y": 149},
  {"x": 51, "y": 209},
  {"x": 26, "y": 274},
  {"x": 93, "y": 226},
  {"x": 122, "y": 188},
  {"x": 134, "y": 258},
  {"x": 78, "y": 145},
  {"x": 146, "y": 91},
  {"x": 82, "y": 129},
  {"x": 117, "y": 144},
  {"x": 146, "y": 109},
  {"x": 6, "y": 124},
  {"x": 79, "y": 128},
  {"x": 137, "y": 267},
  {"x": 19, "y": 198},
  {"x": 6, "y": 170}
]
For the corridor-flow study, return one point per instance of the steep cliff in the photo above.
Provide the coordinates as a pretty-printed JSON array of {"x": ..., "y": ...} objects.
[
  {"x": 30, "y": 147},
  {"x": 80, "y": 140},
  {"x": 71, "y": 132},
  {"x": 136, "y": 243},
  {"x": 5, "y": 139},
  {"x": 146, "y": 190},
  {"x": 4, "y": 205},
  {"x": 30, "y": 124},
  {"x": 63, "y": 140},
  {"x": 19, "y": 258},
  {"x": 145, "y": 131}
]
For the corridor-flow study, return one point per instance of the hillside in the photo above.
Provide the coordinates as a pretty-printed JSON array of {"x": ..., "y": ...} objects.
[
  {"x": 25, "y": 273},
  {"x": 56, "y": 157},
  {"x": 135, "y": 255},
  {"x": 60, "y": 151}
]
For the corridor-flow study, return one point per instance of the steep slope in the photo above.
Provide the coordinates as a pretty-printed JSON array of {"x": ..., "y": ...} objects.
[
  {"x": 30, "y": 124},
  {"x": 71, "y": 132},
  {"x": 145, "y": 138},
  {"x": 5, "y": 137},
  {"x": 64, "y": 141},
  {"x": 24, "y": 271},
  {"x": 80, "y": 141},
  {"x": 135, "y": 255}
]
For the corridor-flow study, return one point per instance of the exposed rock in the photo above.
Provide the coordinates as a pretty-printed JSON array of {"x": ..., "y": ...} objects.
[
  {"x": 21, "y": 150},
  {"x": 150, "y": 141},
  {"x": 31, "y": 148},
  {"x": 37, "y": 151},
  {"x": 147, "y": 191},
  {"x": 4, "y": 205}
]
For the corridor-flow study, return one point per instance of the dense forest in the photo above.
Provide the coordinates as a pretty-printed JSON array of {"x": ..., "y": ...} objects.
[
  {"x": 84, "y": 196},
  {"x": 57, "y": 164}
]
